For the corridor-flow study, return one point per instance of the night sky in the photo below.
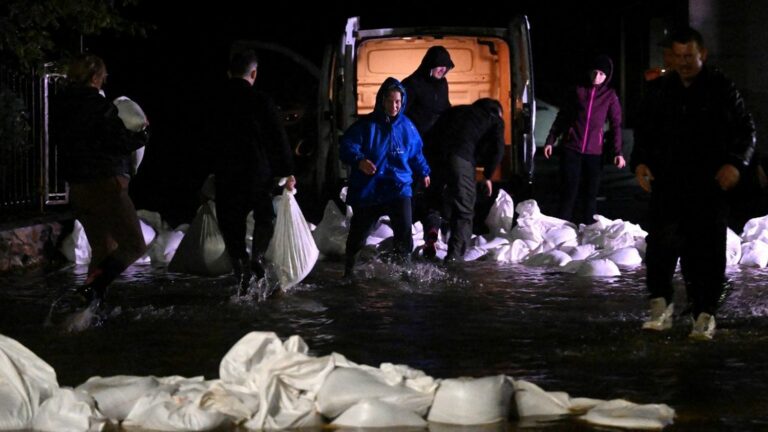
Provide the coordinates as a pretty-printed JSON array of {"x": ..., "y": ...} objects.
[{"x": 171, "y": 72}]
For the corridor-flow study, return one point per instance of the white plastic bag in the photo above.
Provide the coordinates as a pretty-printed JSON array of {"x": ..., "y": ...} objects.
[
  {"x": 292, "y": 249},
  {"x": 202, "y": 250}
]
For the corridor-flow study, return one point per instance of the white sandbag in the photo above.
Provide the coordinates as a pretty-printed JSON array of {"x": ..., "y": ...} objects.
[
  {"x": 472, "y": 401},
  {"x": 501, "y": 214},
  {"x": 381, "y": 231},
  {"x": 474, "y": 253},
  {"x": 516, "y": 252},
  {"x": 754, "y": 254},
  {"x": 75, "y": 246},
  {"x": 281, "y": 374},
  {"x": 626, "y": 256},
  {"x": 755, "y": 229},
  {"x": 116, "y": 395},
  {"x": 131, "y": 114},
  {"x": 154, "y": 219},
  {"x": 580, "y": 252},
  {"x": 25, "y": 382},
  {"x": 532, "y": 400},
  {"x": 599, "y": 267},
  {"x": 732, "y": 248},
  {"x": 162, "y": 250},
  {"x": 149, "y": 236},
  {"x": 202, "y": 249},
  {"x": 292, "y": 249},
  {"x": 625, "y": 414},
  {"x": 331, "y": 233},
  {"x": 490, "y": 244},
  {"x": 231, "y": 399},
  {"x": 561, "y": 236},
  {"x": 552, "y": 258},
  {"x": 135, "y": 120},
  {"x": 174, "y": 410},
  {"x": 372, "y": 413},
  {"x": 69, "y": 411},
  {"x": 345, "y": 387}
]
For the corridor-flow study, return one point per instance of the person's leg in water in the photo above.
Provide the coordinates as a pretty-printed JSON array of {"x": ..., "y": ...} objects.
[
  {"x": 400, "y": 216},
  {"x": 231, "y": 213},
  {"x": 463, "y": 192},
  {"x": 360, "y": 226},
  {"x": 263, "y": 229},
  {"x": 109, "y": 219}
]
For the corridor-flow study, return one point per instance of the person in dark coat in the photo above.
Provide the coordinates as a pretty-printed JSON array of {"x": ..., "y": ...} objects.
[
  {"x": 95, "y": 149},
  {"x": 384, "y": 151},
  {"x": 693, "y": 141},
  {"x": 252, "y": 150},
  {"x": 427, "y": 90},
  {"x": 469, "y": 136},
  {"x": 579, "y": 125}
]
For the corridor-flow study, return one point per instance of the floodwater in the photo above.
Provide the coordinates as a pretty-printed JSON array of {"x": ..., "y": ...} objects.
[{"x": 560, "y": 331}]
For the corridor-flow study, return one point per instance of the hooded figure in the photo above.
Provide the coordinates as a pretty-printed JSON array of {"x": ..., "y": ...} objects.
[
  {"x": 579, "y": 126},
  {"x": 384, "y": 151},
  {"x": 427, "y": 89}
]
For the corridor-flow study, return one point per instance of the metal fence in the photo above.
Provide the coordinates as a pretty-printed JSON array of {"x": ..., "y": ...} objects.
[{"x": 29, "y": 175}]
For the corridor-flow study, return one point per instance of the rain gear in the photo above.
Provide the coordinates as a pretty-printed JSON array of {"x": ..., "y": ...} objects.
[
  {"x": 582, "y": 116},
  {"x": 392, "y": 143}
]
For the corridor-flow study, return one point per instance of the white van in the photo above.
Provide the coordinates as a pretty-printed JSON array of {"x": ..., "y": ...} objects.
[{"x": 489, "y": 62}]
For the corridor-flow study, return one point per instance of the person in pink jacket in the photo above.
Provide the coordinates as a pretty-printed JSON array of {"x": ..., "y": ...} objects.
[{"x": 579, "y": 126}]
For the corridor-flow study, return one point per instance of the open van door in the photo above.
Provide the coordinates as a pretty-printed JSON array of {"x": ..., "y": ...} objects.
[
  {"x": 489, "y": 62},
  {"x": 523, "y": 143}
]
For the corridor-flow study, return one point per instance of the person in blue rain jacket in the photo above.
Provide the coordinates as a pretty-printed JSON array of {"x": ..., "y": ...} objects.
[{"x": 383, "y": 150}]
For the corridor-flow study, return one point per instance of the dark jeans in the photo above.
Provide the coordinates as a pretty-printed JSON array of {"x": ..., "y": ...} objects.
[
  {"x": 461, "y": 193},
  {"x": 579, "y": 169},
  {"x": 232, "y": 208},
  {"x": 109, "y": 219},
  {"x": 363, "y": 219},
  {"x": 692, "y": 229}
]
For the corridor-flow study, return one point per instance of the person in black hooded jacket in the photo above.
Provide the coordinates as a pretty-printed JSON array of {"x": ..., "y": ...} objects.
[
  {"x": 469, "y": 136},
  {"x": 427, "y": 92},
  {"x": 252, "y": 149},
  {"x": 95, "y": 149}
]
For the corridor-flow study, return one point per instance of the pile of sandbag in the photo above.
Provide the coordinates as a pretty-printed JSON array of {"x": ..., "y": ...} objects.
[{"x": 268, "y": 384}]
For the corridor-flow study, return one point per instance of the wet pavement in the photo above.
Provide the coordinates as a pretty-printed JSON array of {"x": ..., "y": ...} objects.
[{"x": 559, "y": 331}]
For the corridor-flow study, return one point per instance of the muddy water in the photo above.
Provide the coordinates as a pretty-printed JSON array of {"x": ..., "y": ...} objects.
[{"x": 562, "y": 332}]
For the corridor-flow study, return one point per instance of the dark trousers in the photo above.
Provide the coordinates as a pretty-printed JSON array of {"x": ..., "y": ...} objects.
[
  {"x": 110, "y": 222},
  {"x": 461, "y": 193},
  {"x": 577, "y": 169},
  {"x": 693, "y": 230},
  {"x": 232, "y": 208},
  {"x": 363, "y": 219}
]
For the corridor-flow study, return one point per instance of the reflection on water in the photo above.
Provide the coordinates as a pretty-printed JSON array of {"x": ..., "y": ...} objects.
[{"x": 560, "y": 331}]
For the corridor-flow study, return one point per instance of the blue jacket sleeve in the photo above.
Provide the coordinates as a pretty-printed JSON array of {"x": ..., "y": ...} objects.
[{"x": 351, "y": 149}]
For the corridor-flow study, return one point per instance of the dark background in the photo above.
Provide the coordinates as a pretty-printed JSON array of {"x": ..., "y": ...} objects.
[{"x": 172, "y": 72}]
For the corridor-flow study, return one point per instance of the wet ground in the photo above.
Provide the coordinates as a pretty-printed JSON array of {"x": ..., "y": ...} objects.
[{"x": 560, "y": 331}]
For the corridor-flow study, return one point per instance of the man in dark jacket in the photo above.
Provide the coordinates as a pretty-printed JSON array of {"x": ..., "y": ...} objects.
[
  {"x": 95, "y": 149},
  {"x": 692, "y": 142},
  {"x": 427, "y": 91},
  {"x": 252, "y": 149},
  {"x": 469, "y": 136}
]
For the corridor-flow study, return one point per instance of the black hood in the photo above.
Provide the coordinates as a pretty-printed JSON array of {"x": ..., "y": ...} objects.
[{"x": 435, "y": 56}]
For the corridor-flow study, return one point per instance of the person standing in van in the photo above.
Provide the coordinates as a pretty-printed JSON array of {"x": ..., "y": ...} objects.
[
  {"x": 579, "y": 125},
  {"x": 427, "y": 90},
  {"x": 383, "y": 150}
]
